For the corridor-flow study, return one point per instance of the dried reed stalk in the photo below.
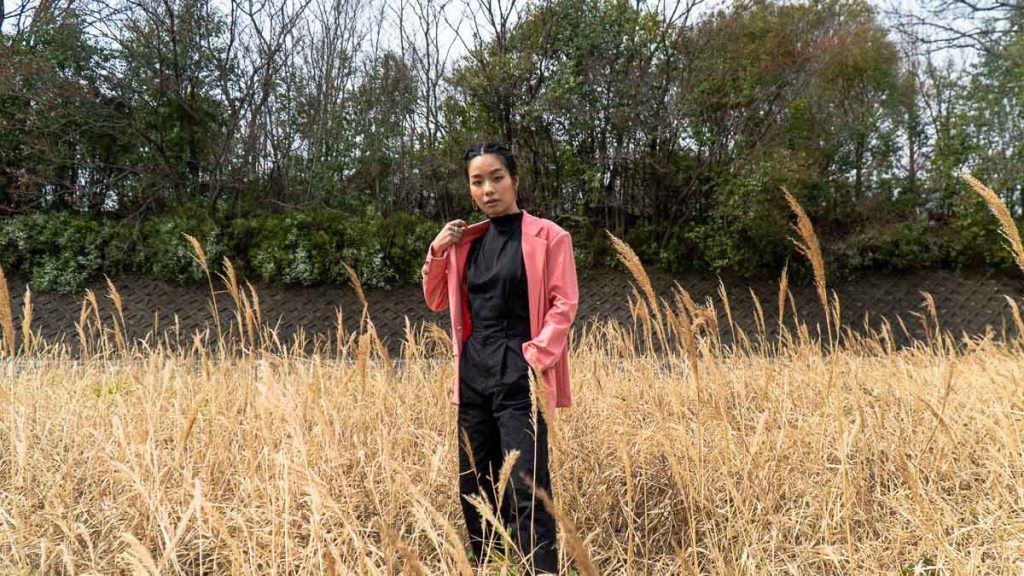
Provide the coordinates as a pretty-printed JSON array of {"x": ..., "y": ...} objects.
[
  {"x": 28, "y": 339},
  {"x": 120, "y": 331},
  {"x": 632, "y": 263},
  {"x": 200, "y": 257},
  {"x": 412, "y": 563},
  {"x": 573, "y": 544},
  {"x": 811, "y": 248},
  {"x": 783, "y": 288},
  {"x": 1006, "y": 224},
  {"x": 6, "y": 317},
  {"x": 1017, "y": 320}
]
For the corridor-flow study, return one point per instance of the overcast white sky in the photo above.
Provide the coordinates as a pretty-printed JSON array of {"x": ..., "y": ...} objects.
[{"x": 453, "y": 9}]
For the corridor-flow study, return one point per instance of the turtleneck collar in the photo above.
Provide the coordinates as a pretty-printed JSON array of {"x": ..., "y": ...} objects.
[{"x": 507, "y": 222}]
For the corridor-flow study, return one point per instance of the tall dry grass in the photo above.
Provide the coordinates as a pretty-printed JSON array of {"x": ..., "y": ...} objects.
[{"x": 177, "y": 453}]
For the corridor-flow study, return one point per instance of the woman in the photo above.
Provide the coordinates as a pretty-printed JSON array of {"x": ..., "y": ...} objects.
[{"x": 510, "y": 284}]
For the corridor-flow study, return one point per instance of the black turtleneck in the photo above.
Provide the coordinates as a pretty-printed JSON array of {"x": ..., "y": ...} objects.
[{"x": 496, "y": 275}]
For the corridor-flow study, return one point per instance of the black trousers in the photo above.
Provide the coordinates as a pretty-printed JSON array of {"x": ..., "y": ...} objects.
[{"x": 495, "y": 418}]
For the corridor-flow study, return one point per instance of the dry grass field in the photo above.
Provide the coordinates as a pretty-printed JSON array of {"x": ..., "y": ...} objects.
[{"x": 817, "y": 452}]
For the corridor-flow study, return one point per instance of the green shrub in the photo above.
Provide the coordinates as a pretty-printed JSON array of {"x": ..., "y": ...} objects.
[
  {"x": 169, "y": 256},
  {"x": 900, "y": 246},
  {"x": 57, "y": 251},
  {"x": 293, "y": 248}
]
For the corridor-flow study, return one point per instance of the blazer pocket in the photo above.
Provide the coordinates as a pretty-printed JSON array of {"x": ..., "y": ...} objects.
[{"x": 527, "y": 356}]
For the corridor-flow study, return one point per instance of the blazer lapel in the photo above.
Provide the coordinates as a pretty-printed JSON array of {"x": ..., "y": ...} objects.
[
  {"x": 457, "y": 256},
  {"x": 534, "y": 255},
  {"x": 462, "y": 248}
]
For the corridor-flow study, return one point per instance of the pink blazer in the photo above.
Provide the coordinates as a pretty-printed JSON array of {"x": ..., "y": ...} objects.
[{"x": 553, "y": 295}]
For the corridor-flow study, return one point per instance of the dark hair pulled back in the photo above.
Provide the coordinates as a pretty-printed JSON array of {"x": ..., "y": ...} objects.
[{"x": 508, "y": 158}]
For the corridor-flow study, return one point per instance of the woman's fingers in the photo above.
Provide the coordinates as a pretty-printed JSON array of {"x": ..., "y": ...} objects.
[
  {"x": 455, "y": 228},
  {"x": 450, "y": 234}
]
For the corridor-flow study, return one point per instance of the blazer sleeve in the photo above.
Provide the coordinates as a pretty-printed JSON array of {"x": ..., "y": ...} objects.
[
  {"x": 435, "y": 280},
  {"x": 546, "y": 348}
]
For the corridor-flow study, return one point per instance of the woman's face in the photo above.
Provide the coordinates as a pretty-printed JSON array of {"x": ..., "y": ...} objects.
[{"x": 491, "y": 186}]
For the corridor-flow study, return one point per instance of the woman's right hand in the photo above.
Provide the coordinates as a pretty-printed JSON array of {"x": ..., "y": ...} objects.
[{"x": 450, "y": 234}]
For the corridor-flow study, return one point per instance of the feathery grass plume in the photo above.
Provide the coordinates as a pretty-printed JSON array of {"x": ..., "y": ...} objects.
[
  {"x": 639, "y": 311},
  {"x": 811, "y": 248},
  {"x": 1006, "y": 224},
  {"x": 254, "y": 299},
  {"x": 200, "y": 257},
  {"x": 299, "y": 342},
  {"x": 539, "y": 404},
  {"x": 742, "y": 342},
  {"x": 792, "y": 307},
  {"x": 120, "y": 330},
  {"x": 362, "y": 359},
  {"x": 27, "y": 338},
  {"x": 929, "y": 338},
  {"x": 504, "y": 474},
  {"x": 154, "y": 332},
  {"x": 215, "y": 518},
  {"x": 632, "y": 263},
  {"x": 138, "y": 556},
  {"x": 886, "y": 335},
  {"x": 573, "y": 544},
  {"x": 81, "y": 326},
  {"x": 692, "y": 310},
  {"x": 837, "y": 312},
  {"x": 339, "y": 333},
  {"x": 467, "y": 447},
  {"x": 762, "y": 329},
  {"x": 6, "y": 317},
  {"x": 783, "y": 288},
  {"x": 933, "y": 314},
  {"x": 412, "y": 563},
  {"x": 940, "y": 415},
  {"x": 171, "y": 546},
  {"x": 94, "y": 310},
  {"x": 688, "y": 320},
  {"x": 353, "y": 278},
  {"x": 724, "y": 295},
  {"x": 249, "y": 320},
  {"x": 903, "y": 326},
  {"x": 186, "y": 430},
  {"x": 630, "y": 503},
  {"x": 440, "y": 338},
  {"x": 378, "y": 343},
  {"x": 94, "y": 307},
  {"x": 638, "y": 314},
  {"x": 230, "y": 280},
  {"x": 453, "y": 540},
  {"x": 671, "y": 321},
  {"x": 1017, "y": 320},
  {"x": 483, "y": 506},
  {"x": 710, "y": 315},
  {"x": 410, "y": 348},
  {"x": 257, "y": 313},
  {"x": 199, "y": 254}
]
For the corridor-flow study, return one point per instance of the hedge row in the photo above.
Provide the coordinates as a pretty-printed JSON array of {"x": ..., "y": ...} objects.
[{"x": 62, "y": 251}]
